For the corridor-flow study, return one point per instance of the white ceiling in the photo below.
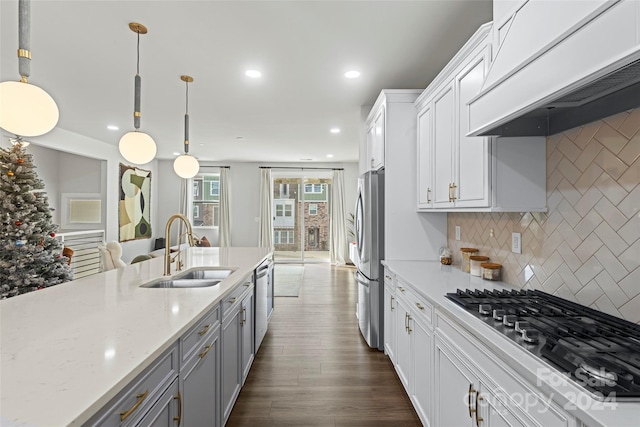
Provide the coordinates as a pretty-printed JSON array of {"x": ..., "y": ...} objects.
[{"x": 84, "y": 55}]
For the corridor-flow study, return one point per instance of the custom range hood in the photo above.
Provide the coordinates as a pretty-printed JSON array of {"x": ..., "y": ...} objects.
[{"x": 560, "y": 64}]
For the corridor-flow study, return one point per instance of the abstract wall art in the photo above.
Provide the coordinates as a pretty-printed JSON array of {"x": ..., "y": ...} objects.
[{"x": 135, "y": 203}]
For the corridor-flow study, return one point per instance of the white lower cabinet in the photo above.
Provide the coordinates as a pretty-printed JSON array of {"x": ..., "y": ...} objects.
[
  {"x": 166, "y": 411},
  {"x": 248, "y": 333},
  {"x": 414, "y": 349},
  {"x": 475, "y": 388}
]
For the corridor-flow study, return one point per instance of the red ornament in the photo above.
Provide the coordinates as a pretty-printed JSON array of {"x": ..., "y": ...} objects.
[
  {"x": 20, "y": 161},
  {"x": 52, "y": 234},
  {"x": 18, "y": 223}
]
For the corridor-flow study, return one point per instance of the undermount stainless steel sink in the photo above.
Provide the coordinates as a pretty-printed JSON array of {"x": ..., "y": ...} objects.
[{"x": 195, "y": 278}]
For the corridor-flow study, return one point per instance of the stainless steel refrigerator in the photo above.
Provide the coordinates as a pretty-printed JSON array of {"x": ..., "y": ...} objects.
[{"x": 369, "y": 230}]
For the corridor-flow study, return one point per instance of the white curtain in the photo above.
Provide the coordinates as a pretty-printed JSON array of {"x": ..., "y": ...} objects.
[
  {"x": 224, "y": 226},
  {"x": 265, "y": 236},
  {"x": 338, "y": 250}
]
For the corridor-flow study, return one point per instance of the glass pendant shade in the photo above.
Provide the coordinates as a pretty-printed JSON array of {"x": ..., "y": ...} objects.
[
  {"x": 186, "y": 166},
  {"x": 137, "y": 147},
  {"x": 26, "y": 109}
]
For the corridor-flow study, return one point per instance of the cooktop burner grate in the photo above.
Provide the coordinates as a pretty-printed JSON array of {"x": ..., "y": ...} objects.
[{"x": 599, "y": 352}]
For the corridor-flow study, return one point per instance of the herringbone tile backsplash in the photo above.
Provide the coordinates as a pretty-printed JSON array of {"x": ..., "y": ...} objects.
[{"x": 586, "y": 248}]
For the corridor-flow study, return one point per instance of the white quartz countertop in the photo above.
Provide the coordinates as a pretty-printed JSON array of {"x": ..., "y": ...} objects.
[
  {"x": 69, "y": 349},
  {"x": 433, "y": 281}
]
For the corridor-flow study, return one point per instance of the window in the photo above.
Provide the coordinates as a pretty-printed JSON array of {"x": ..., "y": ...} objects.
[
  {"x": 206, "y": 200},
  {"x": 313, "y": 188},
  {"x": 284, "y": 209},
  {"x": 283, "y": 237},
  {"x": 215, "y": 189},
  {"x": 313, "y": 209}
]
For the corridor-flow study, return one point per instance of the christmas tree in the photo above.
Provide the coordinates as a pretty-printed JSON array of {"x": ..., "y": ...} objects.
[{"x": 30, "y": 255}]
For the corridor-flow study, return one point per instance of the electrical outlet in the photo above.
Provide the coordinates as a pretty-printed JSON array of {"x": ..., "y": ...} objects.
[
  {"x": 516, "y": 243},
  {"x": 491, "y": 232},
  {"x": 457, "y": 232}
]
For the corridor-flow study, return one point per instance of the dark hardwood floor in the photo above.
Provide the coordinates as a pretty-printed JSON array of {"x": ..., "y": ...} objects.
[{"x": 314, "y": 368}]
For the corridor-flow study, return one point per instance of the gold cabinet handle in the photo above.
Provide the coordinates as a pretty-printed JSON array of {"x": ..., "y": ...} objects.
[
  {"x": 406, "y": 321},
  {"x": 479, "y": 419},
  {"x": 409, "y": 319},
  {"x": 139, "y": 399},
  {"x": 401, "y": 289},
  {"x": 206, "y": 350},
  {"x": 428, "y": 193},
  {"x": 248, "y": 284},
  {"x": 179, "y": 417},
  {"x": 419, "y": 306},
  {"x": 453, "y": 191},
  {"x": 232, "y": 300},
  {"x": 204, "y": 329},
  {"x": 391, "y": 303},
  {"x": 471, "y": 391},
  {"x": 388, "y": 277},
  {"x": 244, "y": 315}
]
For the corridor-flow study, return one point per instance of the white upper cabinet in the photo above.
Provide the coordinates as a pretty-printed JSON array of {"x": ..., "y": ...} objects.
[
  {"x": 457, "y": 172},
  {"x": 376, "y": 139}
]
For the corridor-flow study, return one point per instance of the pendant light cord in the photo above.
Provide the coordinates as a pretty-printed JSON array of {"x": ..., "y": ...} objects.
[
  {"x": 186, "y": 120},
  {"x": 138, "y": 54}
]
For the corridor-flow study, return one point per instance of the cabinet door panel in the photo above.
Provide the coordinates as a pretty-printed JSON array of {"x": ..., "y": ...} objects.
[
  {"x": 422, "y": 371},
  {"x": 248, "y": 335},
  {"x": 390, "y": 310},
  {"x": 494, "y": 413},
  {"x": 379, "y": 141},
  {"x": 231, "y": 353},
  {"x": 452, "y": 380},
  {"x": 472, "y": 174},
  {"x": 443, "y": 122},
  {"x": 425, "y": 139},
  {"x": 200, "y": 385},
  {"x": 403, "y": 344}
]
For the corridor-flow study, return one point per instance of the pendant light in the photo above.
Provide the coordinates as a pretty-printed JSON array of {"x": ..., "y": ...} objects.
[
  {"x": 137, "y": 147},
  {"x": 185, "y": 165},
  {"x": 26, "y": 109}
]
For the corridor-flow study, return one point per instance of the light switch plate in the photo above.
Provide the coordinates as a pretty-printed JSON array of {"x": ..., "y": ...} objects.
[
  {"x": 457, "y": 232},
  {"x": 516, "y": 243}
]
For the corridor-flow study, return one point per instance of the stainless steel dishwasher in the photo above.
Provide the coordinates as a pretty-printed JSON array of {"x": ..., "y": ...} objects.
[{"x": 262, "y": 277}]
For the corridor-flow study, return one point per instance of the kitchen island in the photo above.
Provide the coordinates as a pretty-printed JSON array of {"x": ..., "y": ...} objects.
[{"x": 70, "y": 349}]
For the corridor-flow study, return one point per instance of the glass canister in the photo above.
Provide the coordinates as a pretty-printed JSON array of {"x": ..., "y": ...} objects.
[
  {"x": 466, "y": 253},
  {"x": 474, "y": 264},
  {"x": 491, "y": 271}
]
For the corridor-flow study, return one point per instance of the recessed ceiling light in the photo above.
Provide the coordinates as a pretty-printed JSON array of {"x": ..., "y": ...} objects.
[
  {"x": 353, "y": 74},
  {"x": 112, "y": 127},
  {"x": 201, "y": 144},
  {"x": 329, "y": 155},
  {"x": 175, "y": 153},
  {"x": 335, "y": 130},
  {"x": 239, "y": 138},
  {"x": 254, "y": 74}
]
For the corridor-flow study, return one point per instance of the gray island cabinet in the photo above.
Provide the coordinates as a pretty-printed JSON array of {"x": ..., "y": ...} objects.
[{"x": 124, "y": 355}]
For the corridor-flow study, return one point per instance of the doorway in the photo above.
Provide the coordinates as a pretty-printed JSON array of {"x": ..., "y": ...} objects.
[{"x": 301, "y": 215}]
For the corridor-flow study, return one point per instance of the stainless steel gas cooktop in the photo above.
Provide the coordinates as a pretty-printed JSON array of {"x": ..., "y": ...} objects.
[{"x": 599, "y": 352}]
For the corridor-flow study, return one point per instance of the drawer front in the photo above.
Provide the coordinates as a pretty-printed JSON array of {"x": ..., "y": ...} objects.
[
  {"x": 191, "y": 341},
  {"x": 388, "y": 277},
  {"x": 135, "y": 401},
  {"x": 236, "y": 295},
  {"x": 419, "y": 307}
]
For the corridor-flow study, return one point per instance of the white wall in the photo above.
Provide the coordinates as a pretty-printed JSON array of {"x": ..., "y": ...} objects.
[{"x": 79, "y": 146}]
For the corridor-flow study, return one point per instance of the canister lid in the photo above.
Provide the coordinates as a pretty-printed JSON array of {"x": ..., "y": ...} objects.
[
  {"x": 490, "y": 265},
  {"x": 469, "y": 250},
  {"x": 479, "y": 258}
]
